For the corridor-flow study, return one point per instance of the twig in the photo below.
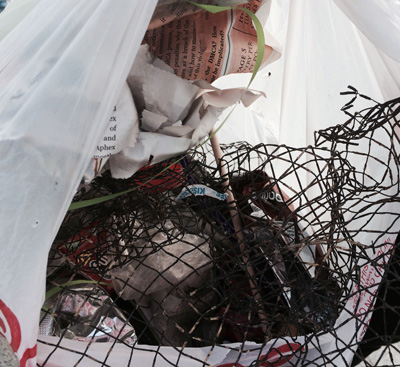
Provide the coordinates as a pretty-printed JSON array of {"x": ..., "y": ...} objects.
[{"x": 237, "y": 225}]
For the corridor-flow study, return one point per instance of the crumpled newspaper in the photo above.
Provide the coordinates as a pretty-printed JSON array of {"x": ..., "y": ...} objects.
[{"x": 173, "y": 115}]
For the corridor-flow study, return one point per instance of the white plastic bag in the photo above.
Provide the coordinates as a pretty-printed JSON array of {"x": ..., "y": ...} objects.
[
  {"x": 14, "y": 13},
  {"x": 61, "y": 71}
]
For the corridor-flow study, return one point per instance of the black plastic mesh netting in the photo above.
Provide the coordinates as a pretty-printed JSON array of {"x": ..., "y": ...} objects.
[{"x": 268, "y": 245}]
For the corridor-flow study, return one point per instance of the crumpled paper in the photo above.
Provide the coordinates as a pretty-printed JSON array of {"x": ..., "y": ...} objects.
[
  {"x": 122, "y": 131},
  {"x": 175, "y": 115}
]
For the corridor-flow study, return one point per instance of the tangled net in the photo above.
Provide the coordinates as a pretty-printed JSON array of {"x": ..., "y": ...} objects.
[{"x": 277, "y": 251}]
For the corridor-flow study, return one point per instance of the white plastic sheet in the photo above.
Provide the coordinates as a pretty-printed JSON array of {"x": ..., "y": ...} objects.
[
  {"x": 14, "y": 13},
  {"x": 323, "y": 52},
  {"x": 59, "y": 80},
  {"x": 237, "y": 354},
  {"x": 378, "y": 20}
]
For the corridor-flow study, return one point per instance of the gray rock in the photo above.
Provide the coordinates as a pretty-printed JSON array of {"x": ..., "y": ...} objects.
[{"x": 7, "y": 355}]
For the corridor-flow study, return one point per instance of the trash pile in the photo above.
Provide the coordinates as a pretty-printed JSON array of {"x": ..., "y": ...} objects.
[
  {"x": 260, "y": 253},
  {"x": 165, "y": 263},
  {"x": 168, "y": 255},
  {"x": 161, "y": 265}
]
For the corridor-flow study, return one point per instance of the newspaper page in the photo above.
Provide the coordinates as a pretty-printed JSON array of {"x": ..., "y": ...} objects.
[
  {"x": 206, "y": 46},
  {"x": 168, "y": 10}
]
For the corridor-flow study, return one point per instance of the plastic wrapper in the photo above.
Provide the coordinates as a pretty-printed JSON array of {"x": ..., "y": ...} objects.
[
  {"x": 85, "y": 312},
  {"x": 166, "y": 279},
  {"x": 164, "y": 260},
  {"x": 48, "y": 325},
  {"x": 89, "y": 257}
]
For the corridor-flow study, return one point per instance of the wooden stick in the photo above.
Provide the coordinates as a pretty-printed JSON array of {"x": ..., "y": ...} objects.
[{"x": 237, "y": 225}]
